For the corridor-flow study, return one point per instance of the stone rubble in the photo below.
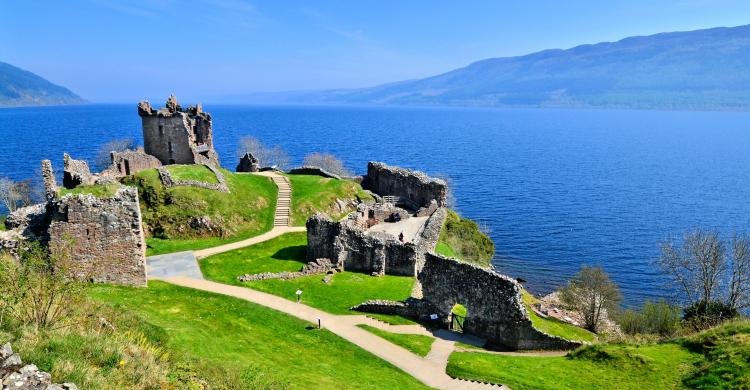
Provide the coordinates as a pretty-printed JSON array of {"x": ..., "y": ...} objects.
[
  {"x": 315, "y": 267},
  {"x": 14, "y": 375}
]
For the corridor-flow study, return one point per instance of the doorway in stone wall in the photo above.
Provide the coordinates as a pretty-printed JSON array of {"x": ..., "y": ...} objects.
[{"x": 458, "y": 318}]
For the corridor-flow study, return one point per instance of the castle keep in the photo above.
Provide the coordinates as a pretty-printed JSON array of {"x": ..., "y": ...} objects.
[{"x": 178, "y": 136}]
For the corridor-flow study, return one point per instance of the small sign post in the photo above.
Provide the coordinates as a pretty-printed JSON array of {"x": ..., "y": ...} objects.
[{"x": 299, "y": 295}]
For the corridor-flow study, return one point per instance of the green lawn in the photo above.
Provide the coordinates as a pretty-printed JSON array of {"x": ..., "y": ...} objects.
[
  {"x": 312, "y": 194},
  {"x": 98, "y": 190},
  {"x": 286, "y": 253},
  {"x": 554, "y": 327},
  {"x": 192, "y": 172},
  {"x": 417, "y": 343},
  {"x": 2, "y": 222},
  {"x": 244, "y": 212},
  {"x": 233, "y": 333},
  {"x": 658, "y": 366},
  {"x": 283, "y": 253},
  {"x": 461, "y": 238}
]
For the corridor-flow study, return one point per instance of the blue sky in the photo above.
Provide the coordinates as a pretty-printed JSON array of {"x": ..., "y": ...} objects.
[{"x": 122, "y": 51}]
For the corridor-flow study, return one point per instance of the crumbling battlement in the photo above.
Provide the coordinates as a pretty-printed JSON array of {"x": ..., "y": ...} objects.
[
  {"x": 386, "y": 180},
  {"x": 177, "y": 136}
]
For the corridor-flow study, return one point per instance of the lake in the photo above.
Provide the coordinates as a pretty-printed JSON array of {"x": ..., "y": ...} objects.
[{"x": 555, "y": 188}]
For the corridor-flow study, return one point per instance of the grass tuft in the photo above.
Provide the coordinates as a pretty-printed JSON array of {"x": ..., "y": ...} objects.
[{"x": 417, "y": 343}]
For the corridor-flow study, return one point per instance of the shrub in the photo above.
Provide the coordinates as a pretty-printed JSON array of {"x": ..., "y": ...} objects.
[
  {"x": 35, "y": 291},
  {"x": 703, "y": 315},
  {"x": 654, "y": 318}
]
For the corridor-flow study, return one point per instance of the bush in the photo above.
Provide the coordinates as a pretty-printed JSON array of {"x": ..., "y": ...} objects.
[
  {"x": 705, "y": 315},
  {"x": 654, "y": 318},
  {"x": 35, "y": 291}
]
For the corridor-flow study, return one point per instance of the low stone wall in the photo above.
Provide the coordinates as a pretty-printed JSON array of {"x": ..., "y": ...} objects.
[
  {"x": 169, "y": 181},
  {"x": 14, "y": 375},
  {"x": 317, "y": 267},
  {"x": 493, "y": 302},
  {"x": 102, "y": 235},
  {"x": 416, "y": 186},
  {"x": 307, "y": 170}
]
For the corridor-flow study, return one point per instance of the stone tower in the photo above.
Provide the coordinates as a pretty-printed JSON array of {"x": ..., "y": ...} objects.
[{"x": 177, "y": 136}]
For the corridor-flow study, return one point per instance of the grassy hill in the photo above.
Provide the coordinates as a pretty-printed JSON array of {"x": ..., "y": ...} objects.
[
  {"x": 715, "y": 359},
  {"x": 312, "y": 194},
  {"x": 186, "y": 218},
  {"x": 19, "y": 87}
]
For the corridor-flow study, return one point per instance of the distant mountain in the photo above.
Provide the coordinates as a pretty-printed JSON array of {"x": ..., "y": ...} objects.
[
  {"x": 19, "y": 87},
  {"x": 703, "y": 69}
]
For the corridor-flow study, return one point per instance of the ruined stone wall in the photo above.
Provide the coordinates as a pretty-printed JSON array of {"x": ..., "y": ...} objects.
[
  {"x": 177, "y": 136},
  {"x": 76, "y": 173},
  {"x": 130, "y": 162},
  {"x": 421, "y": 189},
  {"x": 354, "y": 249},
  {"x": 169, "y": 182},
  {"x": 493, "y": 302},
  {"x": 104, "y": 236},
  {"x": 248, "y": 163}
]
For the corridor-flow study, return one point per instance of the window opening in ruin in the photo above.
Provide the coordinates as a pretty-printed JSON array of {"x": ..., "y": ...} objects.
[
  {"x": 161, "y": 129},
  {"x": 458, "y": 317},
  {"x": 127, "y": 168},
  {"x": 169, "y": 145}
]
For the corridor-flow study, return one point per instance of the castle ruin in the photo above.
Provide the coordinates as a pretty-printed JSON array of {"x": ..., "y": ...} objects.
[{"x": 178, "y": 136}]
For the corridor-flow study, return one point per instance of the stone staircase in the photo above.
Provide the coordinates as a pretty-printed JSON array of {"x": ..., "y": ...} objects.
[{"x": 284, "y": 201}]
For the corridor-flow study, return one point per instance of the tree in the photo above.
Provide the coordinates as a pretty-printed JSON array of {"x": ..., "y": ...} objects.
[
  {"x": 707, "y": 272},
  {"x": 593, "y": 294},
  {"x": 103, "y": 157},
  {"x": 328, "y": 163},
  {"x": 15, "y": 195},
  {"x": 267, "y": 157}
]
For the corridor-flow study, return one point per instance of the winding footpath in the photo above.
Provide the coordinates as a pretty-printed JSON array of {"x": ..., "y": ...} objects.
[{"x": 182, "y": 269}]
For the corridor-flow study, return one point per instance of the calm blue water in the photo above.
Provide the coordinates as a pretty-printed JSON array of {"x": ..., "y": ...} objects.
[{"x": 557, "y": 188}]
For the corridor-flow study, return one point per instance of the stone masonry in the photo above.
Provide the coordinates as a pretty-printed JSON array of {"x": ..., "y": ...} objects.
[
  {"x": 178, "y": 136},
  {"x": 130, "y": 162},
  {"x": 420, "y": 189},
  {"x": 353, "y": 248},
  {"x": 104, "y": 236},
  {"x": 14, "y": 375},
  {"x": 76, "y": 173},
  {"x": 248, "y": 163},
  {"x": 493, "y": 302}
]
